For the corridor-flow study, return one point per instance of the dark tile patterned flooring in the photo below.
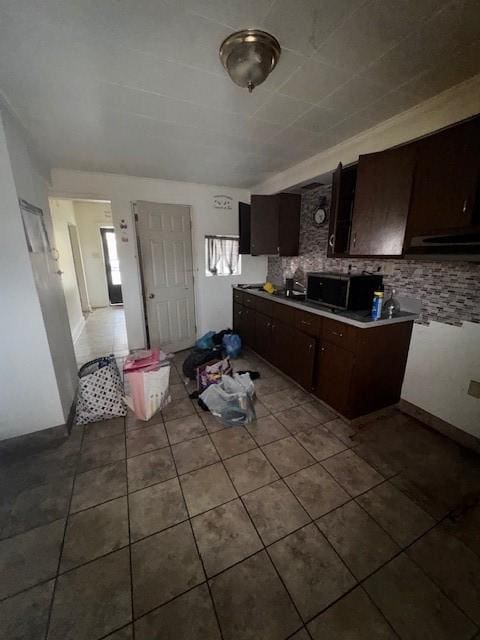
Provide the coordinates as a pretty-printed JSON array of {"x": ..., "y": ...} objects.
[{"x": 298, "y": 526}]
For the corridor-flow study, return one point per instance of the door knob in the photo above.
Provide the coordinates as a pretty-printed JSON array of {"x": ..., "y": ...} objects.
[{"x": 151, "y": 295}]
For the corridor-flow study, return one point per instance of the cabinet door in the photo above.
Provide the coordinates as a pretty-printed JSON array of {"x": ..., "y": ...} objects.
[
  {"x": 289, "y": 205},
  {"x": 382, "y": 200},
  {"x": 238, "y": 319},
  {"x": 343, "y": 193},
  {"x": 244, "y": 228},
  {"x": 249, "y": 327},
  {"x": 263, "y": 335},
  {"x": 304, "y": 360},
  {"x": 446, "y": 181},
  {"x": 334, "y": 374},
  {"x": 264, "y": 225},
  {"x": 283, "y": 347}
]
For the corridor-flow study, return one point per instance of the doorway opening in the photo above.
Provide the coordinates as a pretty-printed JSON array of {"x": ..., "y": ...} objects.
[
  {"x": 112, "y": 265},
  {"x": 89, "y": 267}
]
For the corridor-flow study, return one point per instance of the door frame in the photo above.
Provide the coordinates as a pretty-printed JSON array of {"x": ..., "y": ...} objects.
[
  {"x": 140, "y": 264},
  {"x": 79, "y": 268}
]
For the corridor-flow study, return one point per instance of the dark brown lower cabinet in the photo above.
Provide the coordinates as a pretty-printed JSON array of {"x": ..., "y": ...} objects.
[
  {"x": 355, "y": 371},
  {"x": 304, "y": 360},
  {"x": 238, "y": 314},
  {"x": 282, "y": 346},
  {"x": 263, "y": 335},
  {"x": 249, "y": 326},
  {"x": 334, "y": 376}
]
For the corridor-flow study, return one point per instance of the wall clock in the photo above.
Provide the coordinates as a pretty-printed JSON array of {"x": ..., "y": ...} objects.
[{"x": 319, "y": 217}]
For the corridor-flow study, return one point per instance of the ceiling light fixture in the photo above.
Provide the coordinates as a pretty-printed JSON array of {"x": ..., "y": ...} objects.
[{"x": 249, "y": 56}]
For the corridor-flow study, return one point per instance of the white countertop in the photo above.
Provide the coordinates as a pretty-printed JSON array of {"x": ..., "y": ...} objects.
[{"x": 349, "y": 317}]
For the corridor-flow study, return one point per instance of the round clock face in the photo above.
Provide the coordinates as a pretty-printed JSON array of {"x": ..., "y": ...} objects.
[{"x": 319, "y": 216}]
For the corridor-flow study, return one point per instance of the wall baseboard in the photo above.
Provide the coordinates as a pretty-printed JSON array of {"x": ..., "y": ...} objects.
[
  {"x": 445, "y": 428},
  {"x": 71, "y": 416}
]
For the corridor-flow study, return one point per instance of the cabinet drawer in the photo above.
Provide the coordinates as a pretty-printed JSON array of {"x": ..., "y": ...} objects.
[
  {"x": 238, "y": 296},
  {"x": 308, "y": 323},
  {"x": 249, "y": 300},
  {"x": 264, "y": 306},
  {"x": 284, "y": 313},
  {"x": 339, "y": 333}
]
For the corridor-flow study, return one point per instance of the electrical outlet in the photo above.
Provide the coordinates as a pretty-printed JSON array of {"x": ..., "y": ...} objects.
[
  {"x": 387, "y": 268},
  {"x": 474, "y": 388}
]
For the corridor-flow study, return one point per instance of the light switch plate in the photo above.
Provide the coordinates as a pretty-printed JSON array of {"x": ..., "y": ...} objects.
[{"x": 474, "y": 388}]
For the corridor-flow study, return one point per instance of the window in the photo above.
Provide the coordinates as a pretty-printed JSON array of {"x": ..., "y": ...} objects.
[{"x": 221, "y": 256}]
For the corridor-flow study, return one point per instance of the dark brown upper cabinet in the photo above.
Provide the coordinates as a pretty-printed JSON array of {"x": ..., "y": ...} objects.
[
  {"x": 445, "y": 190},
  {"x": 343, "y": 194},
  {"x": 382, "y": 201},
  {"x": 244, "y": 228},
  {"x": 275, "y": 224}
]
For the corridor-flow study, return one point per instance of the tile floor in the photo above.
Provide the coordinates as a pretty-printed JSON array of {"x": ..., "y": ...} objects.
[
  {"x": 104, "y": 333},
  {"x": 295, "y": 527}
]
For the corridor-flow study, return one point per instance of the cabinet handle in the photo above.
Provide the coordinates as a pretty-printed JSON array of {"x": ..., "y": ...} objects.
[
  {"x": 339, "y": 334},
  {"x": 310, "y": 346},
  {"x": 331, "y": 240},
  {"x": 305, "y": 322},
  {"x": 465, "y": 205},
  {"x": 354, "y": 239}
]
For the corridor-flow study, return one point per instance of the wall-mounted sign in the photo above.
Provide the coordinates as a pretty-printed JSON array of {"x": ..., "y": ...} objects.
[{"x": 223, "y": 202}]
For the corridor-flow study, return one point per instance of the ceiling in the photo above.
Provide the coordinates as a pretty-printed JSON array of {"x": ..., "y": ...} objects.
[{"x": 136, "y": 87}]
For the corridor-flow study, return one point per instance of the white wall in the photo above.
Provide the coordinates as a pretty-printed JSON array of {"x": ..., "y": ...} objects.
[
  {"x": 441, "y": 362},
  {"x": 63, "y": 215},
  {"x": 213, "y": 296},
  {"x": 90, "y": 217},
  {"x": 30, "y": 398}
]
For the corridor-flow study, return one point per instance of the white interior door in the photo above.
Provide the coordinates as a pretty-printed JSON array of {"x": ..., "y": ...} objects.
[{"x": 164, "y": 233}]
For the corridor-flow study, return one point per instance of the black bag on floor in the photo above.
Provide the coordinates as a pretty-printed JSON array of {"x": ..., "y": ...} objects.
[{"x": 198, "y": 357}]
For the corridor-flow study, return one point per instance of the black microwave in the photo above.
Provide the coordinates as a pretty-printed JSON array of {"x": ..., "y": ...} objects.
[{"x": 345, "y": 291}]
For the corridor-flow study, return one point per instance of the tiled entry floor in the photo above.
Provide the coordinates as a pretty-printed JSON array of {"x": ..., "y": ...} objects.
[
  {"x": 295, "y": 528},
  {"x": 104, "y": 333}
]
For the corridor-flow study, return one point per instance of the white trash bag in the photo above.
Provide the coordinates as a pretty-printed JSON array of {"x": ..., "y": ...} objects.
[
  {"x": 231, "y": 400},
  {"x": 100, "y": 391}
]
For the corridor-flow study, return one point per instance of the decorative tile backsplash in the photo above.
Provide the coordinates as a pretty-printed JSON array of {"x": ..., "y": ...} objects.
[{"x": 449, "y": 291}]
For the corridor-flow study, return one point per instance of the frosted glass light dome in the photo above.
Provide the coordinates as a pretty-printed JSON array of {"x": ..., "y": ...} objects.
[{"x": 249, "y": 56}]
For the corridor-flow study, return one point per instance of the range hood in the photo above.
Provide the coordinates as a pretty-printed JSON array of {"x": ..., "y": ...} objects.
[{"x": 455, "y": 246}]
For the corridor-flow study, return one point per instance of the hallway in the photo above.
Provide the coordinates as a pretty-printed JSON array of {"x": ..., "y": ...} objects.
[{"x": 104, "y": 333}]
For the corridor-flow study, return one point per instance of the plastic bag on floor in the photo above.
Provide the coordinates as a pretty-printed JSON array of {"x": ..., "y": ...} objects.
[
  {"x": 233, "y": 344},
  {"x": 231, "y": 400},
  {"x": 212, "y": 372},
  {"x": 100, "y": 391}
]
